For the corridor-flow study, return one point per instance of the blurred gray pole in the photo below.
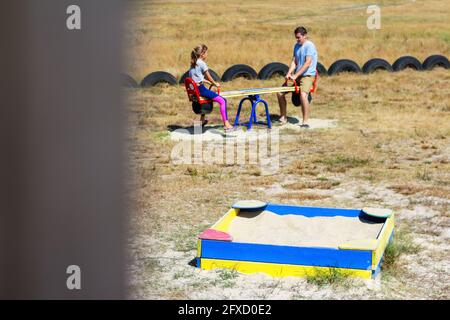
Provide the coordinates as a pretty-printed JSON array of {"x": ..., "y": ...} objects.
[{"x": 62, "y": 159}]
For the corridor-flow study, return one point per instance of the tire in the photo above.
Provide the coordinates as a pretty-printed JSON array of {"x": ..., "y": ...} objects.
[
  {"x": 273, "y": 69},
  {"x": 321, "y": 69},
  {"x": 376, "y": 64},
  {"x": 214, "y": 75},
  {"x": 343, "y": 65},
  {"x": 158, "y": 77},
  {"x": 406, "y": 62},
  {"x": 239, "y": 70},
  {"x": 127, "y": 81},
  {"x": 435, "y": 61}
]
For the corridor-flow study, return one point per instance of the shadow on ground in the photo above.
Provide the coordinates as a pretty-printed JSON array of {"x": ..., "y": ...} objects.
[
  {"x": 191, "y": 130},
  {"x": 276, "y": 119}
]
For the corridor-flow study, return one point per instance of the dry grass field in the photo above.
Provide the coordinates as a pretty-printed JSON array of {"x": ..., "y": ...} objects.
[
  {"x": 390, "y": 147},
  {"x": 162, "y": 33}
]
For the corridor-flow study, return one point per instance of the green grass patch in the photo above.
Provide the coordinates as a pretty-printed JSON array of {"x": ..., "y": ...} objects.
[
  {"x": 185, "y": 239},
  {"x": 340, "y": 162},
  {"x": 185, "y": 244},
  {"x": 361, "y": 193},
  {"x": 152, "y": 265},
  {"x": 423, "y": 174},
  {"x": 328, "y": 276},
  {"x": 192, "y": 172},
  {"x": 214, "y": 176},
  {"x": 227, "y": 274},
  {"x": 226, "y": 278},
  {"x": 182, "y": 274},
  {"x": 401, "y": 244},
  {"x": 160, "y": 135},
  {"x": 444, "y": 36}
]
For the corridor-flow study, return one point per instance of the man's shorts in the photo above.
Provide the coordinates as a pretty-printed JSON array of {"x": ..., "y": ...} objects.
[{"x": 306, "y": 83}]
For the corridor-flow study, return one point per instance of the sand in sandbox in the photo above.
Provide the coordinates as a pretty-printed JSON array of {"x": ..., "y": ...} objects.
[{"x": 266, "y": 227}]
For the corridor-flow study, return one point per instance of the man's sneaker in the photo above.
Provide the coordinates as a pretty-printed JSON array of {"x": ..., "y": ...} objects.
[{"x": 282, "y": 122}]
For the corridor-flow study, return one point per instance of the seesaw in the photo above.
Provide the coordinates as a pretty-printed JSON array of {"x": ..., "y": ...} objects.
[
  {"x": 204, "y": 106},
  {"x": 255, "y": 91}
]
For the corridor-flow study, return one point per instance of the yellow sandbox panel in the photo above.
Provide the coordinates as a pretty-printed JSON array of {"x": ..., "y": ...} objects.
[
  {"x": 278, "y": 270},
  {"x": 224, "y": 223},
  {"x": 383, "y": 241}
]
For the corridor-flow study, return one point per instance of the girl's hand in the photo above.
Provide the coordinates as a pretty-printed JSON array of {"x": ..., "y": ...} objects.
[{"x": 217, "y": 85}]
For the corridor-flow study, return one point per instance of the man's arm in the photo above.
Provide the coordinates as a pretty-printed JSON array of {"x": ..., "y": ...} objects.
[
  {"x": 305, "y": 66},
  {"x": 291, "y": 69}
]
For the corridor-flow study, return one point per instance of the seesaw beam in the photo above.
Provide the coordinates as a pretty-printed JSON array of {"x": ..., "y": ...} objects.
[{"x": 255, "y": 91}]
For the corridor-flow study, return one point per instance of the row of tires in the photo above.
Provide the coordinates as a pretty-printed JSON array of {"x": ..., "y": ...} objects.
[{"x": 277, "y": 68}]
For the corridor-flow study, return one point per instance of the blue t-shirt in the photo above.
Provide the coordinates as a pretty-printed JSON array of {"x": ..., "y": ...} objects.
[
  {"x": 300, "y": 53},
  {"x": 197, "y": 73}
]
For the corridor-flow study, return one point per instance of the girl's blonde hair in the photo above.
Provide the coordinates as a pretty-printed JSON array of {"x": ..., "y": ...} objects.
[{"x": 196, "y": 53}]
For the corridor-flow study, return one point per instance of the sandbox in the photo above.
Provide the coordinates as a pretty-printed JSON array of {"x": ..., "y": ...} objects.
[{"x": 284, "y": 240}]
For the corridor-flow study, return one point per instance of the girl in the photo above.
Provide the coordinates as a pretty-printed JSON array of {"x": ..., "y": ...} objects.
[{"x": 198, "y": 71}]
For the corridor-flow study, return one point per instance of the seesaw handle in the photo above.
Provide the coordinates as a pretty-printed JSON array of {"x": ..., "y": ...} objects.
[
  {"x": 218, "y": 88},
  {"x": 297, "y": 90}
]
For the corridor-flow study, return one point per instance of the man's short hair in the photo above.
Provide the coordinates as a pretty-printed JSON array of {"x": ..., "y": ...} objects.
[{"x": 301, "y": 30}]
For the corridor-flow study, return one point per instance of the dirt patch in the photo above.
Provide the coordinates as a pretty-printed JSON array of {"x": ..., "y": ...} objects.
[
  {"x": 313, "y": 124},
  {"x": 216, "y": 133}
]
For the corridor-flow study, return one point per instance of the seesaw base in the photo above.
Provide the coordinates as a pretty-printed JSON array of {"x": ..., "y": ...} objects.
[{"x": 254, "y": 100}]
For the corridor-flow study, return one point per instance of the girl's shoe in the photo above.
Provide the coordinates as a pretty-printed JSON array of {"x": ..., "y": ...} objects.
[
  {"x": 232, "y": 129},
  {"x": 305, "y": 126}
]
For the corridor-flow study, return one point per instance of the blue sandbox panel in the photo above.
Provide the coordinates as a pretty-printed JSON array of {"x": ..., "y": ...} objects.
[
  {"x": 312, "y": 211},
  {"x": 311, "y": 256}
]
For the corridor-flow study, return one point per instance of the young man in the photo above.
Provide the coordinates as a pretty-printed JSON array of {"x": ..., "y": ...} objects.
[{"x": 304, "y": 64}]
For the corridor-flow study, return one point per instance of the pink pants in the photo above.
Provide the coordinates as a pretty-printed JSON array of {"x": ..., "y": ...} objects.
[{"x": 223, "y": 107}]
